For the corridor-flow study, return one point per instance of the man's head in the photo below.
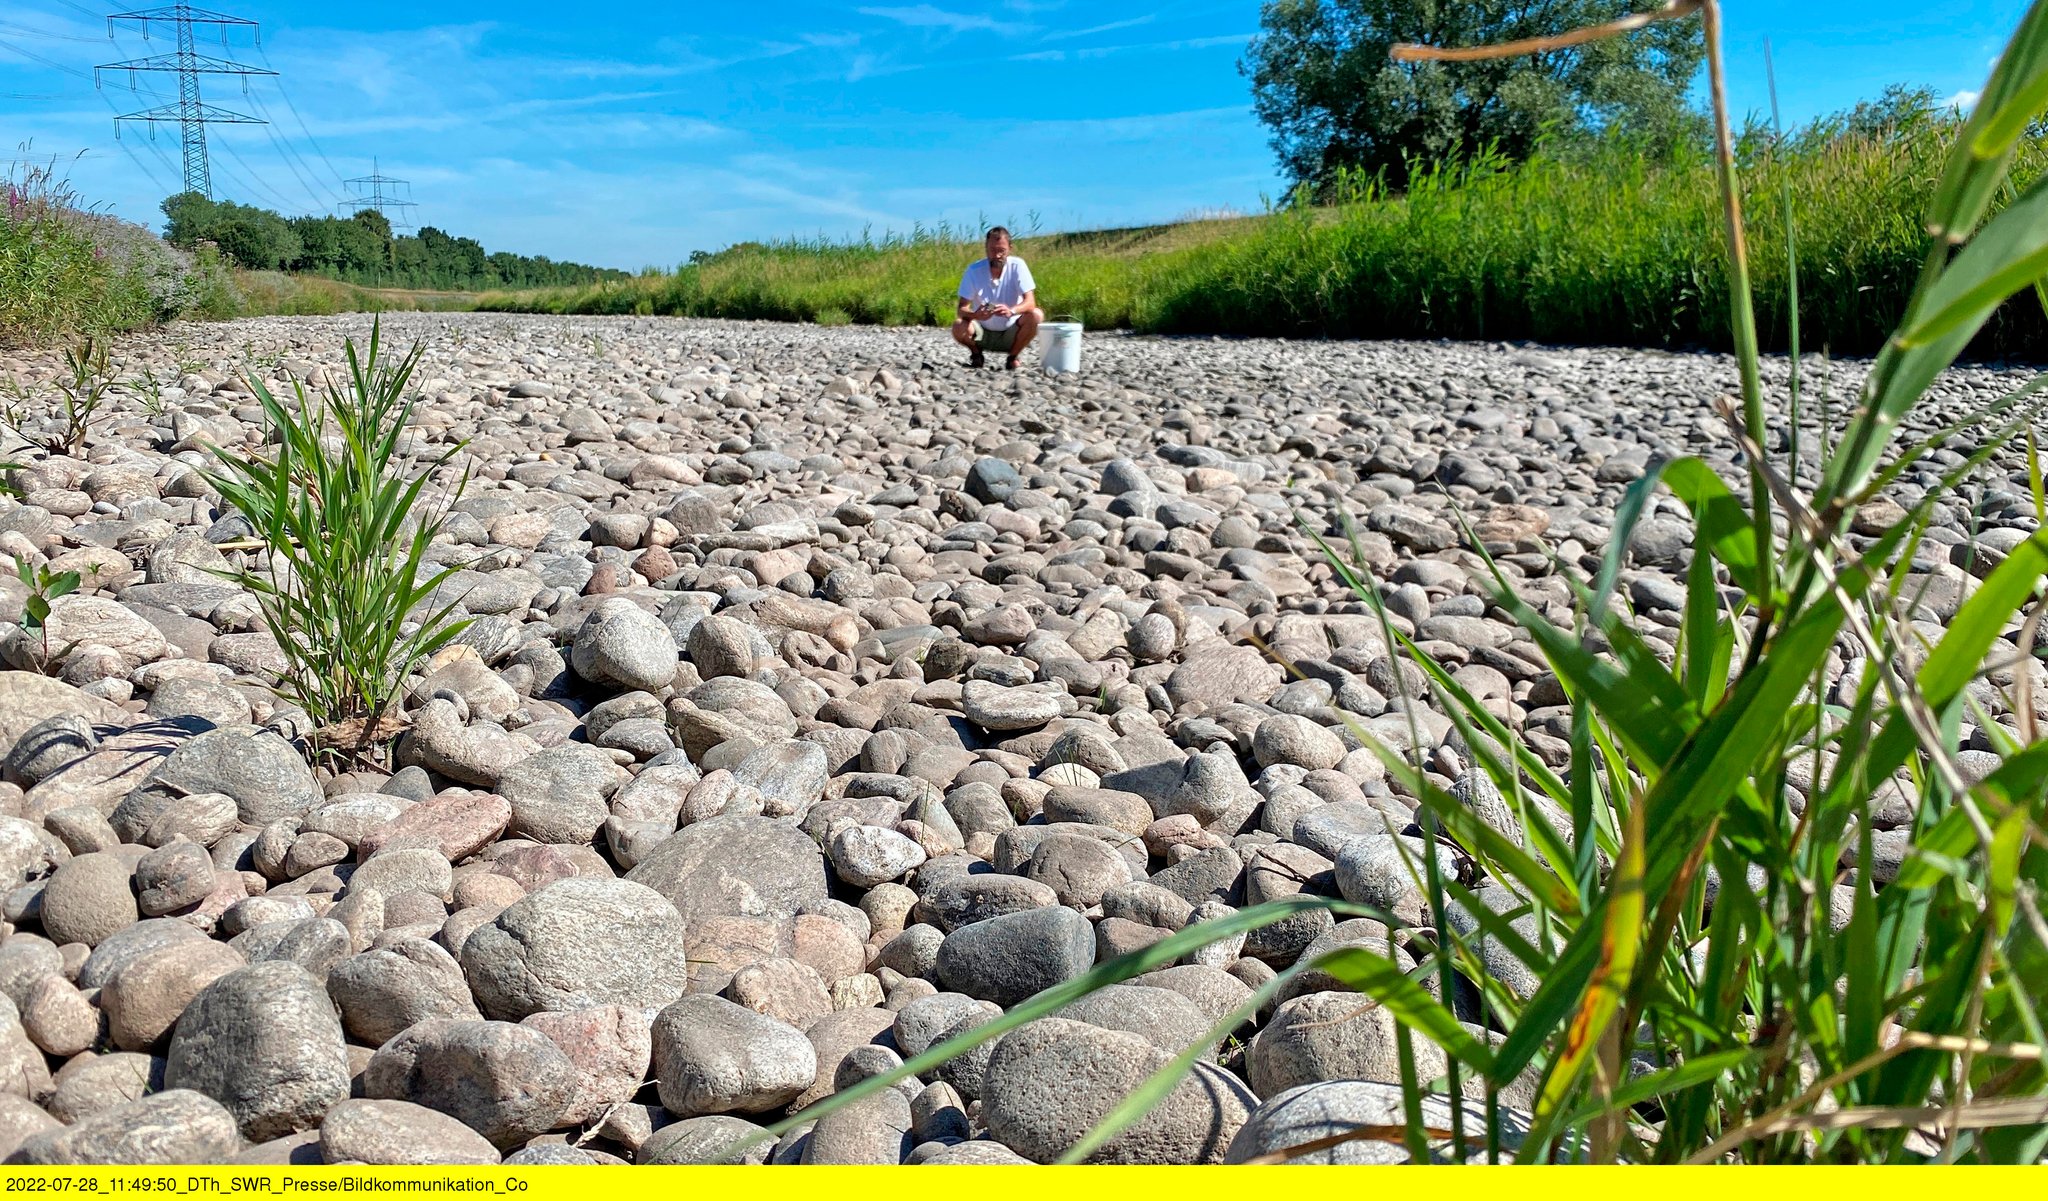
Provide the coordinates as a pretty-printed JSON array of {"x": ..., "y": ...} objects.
[{"x": 998, "y": 246}]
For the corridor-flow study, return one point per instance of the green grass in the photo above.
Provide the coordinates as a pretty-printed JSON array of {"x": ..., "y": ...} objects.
[
  {"x": 290, "y": 294},
  {"x": 59, "y": 274},
  {"x": 1595, "y": 245},
  {"x": 1108, "y": 278}
]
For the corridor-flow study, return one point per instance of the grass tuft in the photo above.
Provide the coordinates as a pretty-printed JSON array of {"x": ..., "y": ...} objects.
[{"x": 340, "y": 506}]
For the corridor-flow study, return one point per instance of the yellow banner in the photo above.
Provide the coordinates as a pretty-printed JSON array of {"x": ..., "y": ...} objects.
[{"x": 554, "y": 1183}]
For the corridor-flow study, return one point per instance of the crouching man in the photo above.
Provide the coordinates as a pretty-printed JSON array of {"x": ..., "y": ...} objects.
[{"x": 998, "y": 307}]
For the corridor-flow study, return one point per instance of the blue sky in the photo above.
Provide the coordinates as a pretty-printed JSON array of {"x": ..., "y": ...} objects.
[{"x": 630, "y": 134}]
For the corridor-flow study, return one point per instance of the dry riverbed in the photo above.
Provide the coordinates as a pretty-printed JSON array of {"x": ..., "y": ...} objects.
[{"x": 824, "y": 698}]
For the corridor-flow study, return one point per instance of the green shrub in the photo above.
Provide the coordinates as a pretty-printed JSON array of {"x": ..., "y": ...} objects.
[
  {"x": 65, "y": 271},
  {"x": 341, "y": 512},
  {"x": 211, "y": 294},
  {"x": 1711, "y": 986}
]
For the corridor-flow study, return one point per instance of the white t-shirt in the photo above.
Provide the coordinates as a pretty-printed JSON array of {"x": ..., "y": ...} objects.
[{"x": 977, "y": 286}]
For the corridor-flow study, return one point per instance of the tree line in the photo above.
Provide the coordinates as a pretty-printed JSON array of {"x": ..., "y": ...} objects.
[{"x": 362, "y": 249}]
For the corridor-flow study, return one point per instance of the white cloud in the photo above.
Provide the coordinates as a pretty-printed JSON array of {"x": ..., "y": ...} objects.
[
  {"x": 927, "y": 16},
  {"x": 1963, "y": 101},
  {"x": 1063, "y": 35},
  {"x": 1136, "y": 127},
  {"x": 1207, "y": 43}
]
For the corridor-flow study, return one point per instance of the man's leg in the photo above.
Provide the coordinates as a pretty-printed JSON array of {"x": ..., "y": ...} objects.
[
  {"x": 963, "y": 333},
  {"x": 1027, "y": 328}
]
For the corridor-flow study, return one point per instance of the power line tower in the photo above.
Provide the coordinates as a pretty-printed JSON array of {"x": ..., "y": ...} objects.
[
  {"x": 191, "y": 113},
  {"x": 377, "y": 199}
]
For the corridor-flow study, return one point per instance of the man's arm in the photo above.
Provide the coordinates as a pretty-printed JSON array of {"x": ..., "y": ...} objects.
[
  {"x": 965, "y": 308},
  {"x": 1025, "y": 304}
]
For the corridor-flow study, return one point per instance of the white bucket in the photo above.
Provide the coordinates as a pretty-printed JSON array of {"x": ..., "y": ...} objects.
[{"x": 1062, "y": 346}]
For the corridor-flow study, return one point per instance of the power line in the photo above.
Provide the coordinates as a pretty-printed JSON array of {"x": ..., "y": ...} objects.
[
  {"x": 33, "y": 32},
  {"x": 191, "y": 113},
  {"x": 150, "y": 144},
  {"x": 163, "y": 158},
  {"x": 48, "y": 62},
  {"x": 295, "y": 159},
  {"x": 303, "y": 128},
  {"x": 255, "y": 182},
  {"x": 255, "y": 193},
  {"x": 143, "y": 167},
  {"x": 286, "y": 153}
]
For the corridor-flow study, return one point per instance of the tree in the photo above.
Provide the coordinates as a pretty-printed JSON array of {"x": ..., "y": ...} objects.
[
  {"x": 1323, "y": 83},
  {"x": 188, "y": 218},
  {"x": 251, "y": 237}
]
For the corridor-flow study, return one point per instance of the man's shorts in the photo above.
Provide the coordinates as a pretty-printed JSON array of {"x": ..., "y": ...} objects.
[{"x": 993, "y": 339}]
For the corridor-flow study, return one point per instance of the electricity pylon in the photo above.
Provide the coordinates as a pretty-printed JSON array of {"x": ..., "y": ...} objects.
[
  {"x": 377, "y": 199},
  {"x": 191, "y": 113}
]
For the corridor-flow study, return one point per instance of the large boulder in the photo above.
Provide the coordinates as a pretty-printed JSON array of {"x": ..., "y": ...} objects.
[
  {"x": 1049, "y": 1083},
  {"x": 386, "y": 989},
  {"x": 268, "y": 779},
  {"x": 506, "y": 1082},
  {"x": 144, "y": 999},
  {"x": 559, "y": 795},
  {"x": 21, "y": 1120},
  {"x": 399, "y": 1133},
  {"x": 23, "y": 852},
  {"x": 715, "y": 1138},
  {"x": 23, "y": 1071},
  {"x": 712, "y": 1056},
  {"x": 28, "y": 698},
  {"x": 1008, "y": 958},
  {"x": 625, "y": 646},
  {"x": 77, "y": 622},
  {"x": 735, "y": 866},
  {"x": 1311, "y": 1113},
  {"x": 610, "y": 1047},
  {"x": 89, "y": 900},
  {"x": 578, "y": 943},
  {"x": 264, "y": 1041},
  {"x": 1160, "y": 1016},
  {"x": 1332, "y": 1036},
  {"x": 177, "y": 1126}
]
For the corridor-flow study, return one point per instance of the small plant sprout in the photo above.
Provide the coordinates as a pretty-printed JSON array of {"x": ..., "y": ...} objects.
[
  {"x": 148, "y": 391},
  {"x": 44, "y": 587},
  {"x": 62, "y": 427}
]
